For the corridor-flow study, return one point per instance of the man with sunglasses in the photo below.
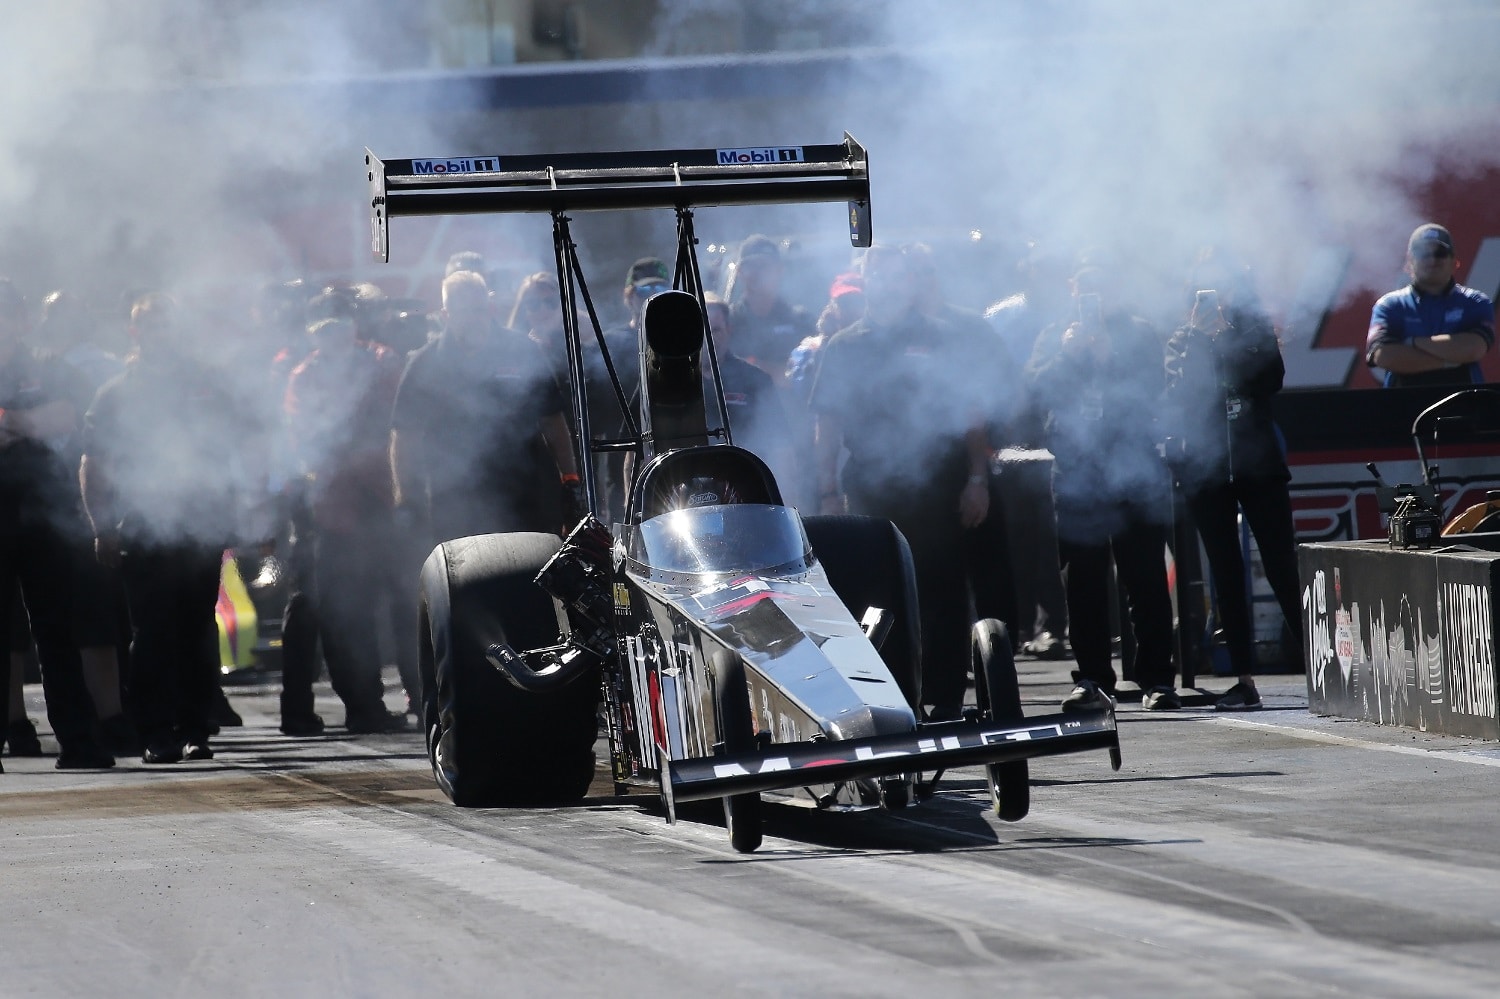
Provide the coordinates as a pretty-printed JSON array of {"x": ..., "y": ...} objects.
[{"x": 1434, "y": 331}]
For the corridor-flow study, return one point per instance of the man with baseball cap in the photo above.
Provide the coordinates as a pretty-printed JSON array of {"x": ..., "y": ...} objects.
[
  {"x": 767, "y": 327},
  {"x": 1434, "y": 331}
]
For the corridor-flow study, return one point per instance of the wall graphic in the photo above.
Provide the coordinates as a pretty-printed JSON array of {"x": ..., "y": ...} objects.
[{"x": 1402, "y": 638}]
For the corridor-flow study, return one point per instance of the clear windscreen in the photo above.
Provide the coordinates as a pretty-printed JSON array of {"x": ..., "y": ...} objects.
[{"x": 738, "y": 537}]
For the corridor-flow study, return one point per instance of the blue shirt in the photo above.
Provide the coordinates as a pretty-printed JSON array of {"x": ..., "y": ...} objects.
[{"x": 1406, "y": 315}]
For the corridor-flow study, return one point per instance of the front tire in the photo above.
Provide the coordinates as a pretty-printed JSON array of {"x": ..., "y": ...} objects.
[
  {"x": 742, "y": 812},
  {"x": 489, "y": 742},
  {"x": 999, "y": 693}
]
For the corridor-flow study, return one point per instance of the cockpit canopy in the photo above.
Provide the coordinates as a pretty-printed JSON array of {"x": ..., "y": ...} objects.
[{"x": 722, "y": 538}]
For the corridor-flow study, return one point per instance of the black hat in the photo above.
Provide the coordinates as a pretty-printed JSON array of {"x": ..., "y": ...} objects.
[
  {"x": 647, "y": 270},
  {"x": 1427, "y": 235}
]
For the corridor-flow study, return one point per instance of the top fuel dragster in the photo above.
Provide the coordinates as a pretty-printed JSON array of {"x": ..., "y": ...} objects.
[{"x": 716, "y": 625}]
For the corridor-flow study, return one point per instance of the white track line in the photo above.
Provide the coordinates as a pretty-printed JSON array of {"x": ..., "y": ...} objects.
[{"x": 1455, "y": 756}]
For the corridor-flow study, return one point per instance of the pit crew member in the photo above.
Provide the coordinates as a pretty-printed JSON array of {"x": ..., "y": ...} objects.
[
  {"x": 1223, "y": 368},
  {"x": 38, "y": 502},
  {"x": 465, "y": 410},
  {"x": 1098, "y": 381}
]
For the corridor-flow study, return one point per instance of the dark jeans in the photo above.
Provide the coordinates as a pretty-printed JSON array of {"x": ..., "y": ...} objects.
[
  {"x": 352, "y": 573},
  {"x": 1138, "y": 545},
  {"x": 172, "y": 590},
  {"x": 35, "y": 557},
  {"x": 986, "y": 554},
  {"x": 1268, "y": 512},
  {"x": 300, "y": 664},
  {"x": 1025, "y": 488}
]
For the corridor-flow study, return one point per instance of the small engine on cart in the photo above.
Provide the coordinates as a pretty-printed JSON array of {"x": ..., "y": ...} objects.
[
  {"x": 1413, "y": 518},
  {"x": 1412, "y": 525}
]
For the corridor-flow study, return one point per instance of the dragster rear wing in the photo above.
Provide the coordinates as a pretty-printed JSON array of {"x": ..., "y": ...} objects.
[
  {"x": 666, "y": 178},
  {"x": 930, "y": 748}
]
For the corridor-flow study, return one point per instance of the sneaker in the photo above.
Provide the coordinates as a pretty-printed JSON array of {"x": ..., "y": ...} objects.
[
  {"x": 1046, "y": 646},
  {"x": 374, "y": 723},
  {"x": 166, "y": 749},
  {"x": 21, "y": 737},
  {"x": 1240, "y": 697},
  {"x": 198, "y": 749},
  {"x": 301, "y": 726},
  {"x": 1087, "y": 695},
  {"x": 89, "y": 757},
  {"x": 1161, "y": 699}
]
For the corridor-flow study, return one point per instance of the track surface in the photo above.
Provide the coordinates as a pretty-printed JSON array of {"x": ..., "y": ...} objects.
[{"x": 1264, "y": 854}]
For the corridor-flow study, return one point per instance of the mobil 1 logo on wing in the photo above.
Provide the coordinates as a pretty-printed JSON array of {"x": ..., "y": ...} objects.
[
  {"x": 759, "y": 154},
  {"x": 461, "y": 164}
]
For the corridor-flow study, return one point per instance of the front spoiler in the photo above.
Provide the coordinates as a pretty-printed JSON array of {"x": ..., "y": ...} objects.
[{"x": 930, "y": 748}]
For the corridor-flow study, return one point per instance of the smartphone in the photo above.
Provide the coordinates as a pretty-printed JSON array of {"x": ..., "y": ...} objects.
[
  {"x": 1090, "y": 311},
  {"x": 1206, "y": 308}
]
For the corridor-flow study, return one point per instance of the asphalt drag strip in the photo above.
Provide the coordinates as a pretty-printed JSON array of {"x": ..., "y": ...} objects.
[{"x": 1274, "y": 853}]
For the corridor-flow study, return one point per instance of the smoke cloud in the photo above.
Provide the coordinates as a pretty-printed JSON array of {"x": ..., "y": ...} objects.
[
  {"x": 172, "y": 144},
  {"x": 1152, "y": 128}
]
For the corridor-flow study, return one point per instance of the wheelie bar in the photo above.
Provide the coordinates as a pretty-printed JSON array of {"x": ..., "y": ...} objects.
[{"x": 932, "y": 747}]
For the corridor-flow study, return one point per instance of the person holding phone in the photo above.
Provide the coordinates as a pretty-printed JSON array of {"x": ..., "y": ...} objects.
[
  {"x": 1223, "y": 366},
  {"x": 1434, "y": 331},
  {"x": 1110, "y": 489}
]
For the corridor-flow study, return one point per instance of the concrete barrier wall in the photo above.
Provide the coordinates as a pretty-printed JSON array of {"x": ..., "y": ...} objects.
[{"x": 1403, "y": 637}]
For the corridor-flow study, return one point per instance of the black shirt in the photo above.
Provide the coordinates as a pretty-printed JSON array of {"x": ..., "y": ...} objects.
[
  {"x": 170, "y": 436},
  {"x": 904, "y": 395},
  {"x": 767, "y": 341},
  {"x": 473, "y": 411},
  {"x": 33, "y": 476},
  {"x": 1219, "y": 392},
  {"x": 756, "y": 416},
  {"x": 1101, "y": 413}
]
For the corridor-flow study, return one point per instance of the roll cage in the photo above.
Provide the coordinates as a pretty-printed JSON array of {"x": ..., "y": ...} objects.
[{"x": 560, "y": 184}]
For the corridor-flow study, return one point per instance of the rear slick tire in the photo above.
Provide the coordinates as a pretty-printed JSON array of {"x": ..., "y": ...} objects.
[
  {"x": 489, "y": 742},
  {"x": 998, "y": 690}
]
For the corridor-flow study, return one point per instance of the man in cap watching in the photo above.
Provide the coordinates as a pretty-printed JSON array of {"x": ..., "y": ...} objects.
[
  {"x": 1434, "y": 331},
  {"x": 767, "y": 328}
]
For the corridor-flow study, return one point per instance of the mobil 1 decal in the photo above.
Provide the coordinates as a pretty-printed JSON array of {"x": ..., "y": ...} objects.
[
  {"x": 455, "y": 165},
  {"x": 758, "y": 154}
]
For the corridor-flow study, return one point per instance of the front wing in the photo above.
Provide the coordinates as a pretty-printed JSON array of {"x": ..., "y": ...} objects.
[{"x": 931, "y": 748}]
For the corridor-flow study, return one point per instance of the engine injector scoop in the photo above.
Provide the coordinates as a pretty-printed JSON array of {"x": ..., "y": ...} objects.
[{"x": 672, "y": 398}]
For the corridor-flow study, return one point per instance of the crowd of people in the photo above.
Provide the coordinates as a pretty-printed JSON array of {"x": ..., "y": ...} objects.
[{"x": 349, "y": 435}]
